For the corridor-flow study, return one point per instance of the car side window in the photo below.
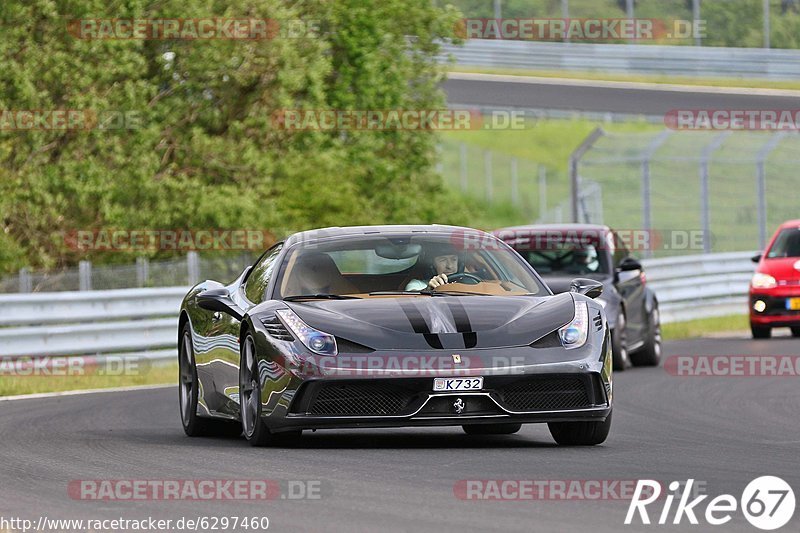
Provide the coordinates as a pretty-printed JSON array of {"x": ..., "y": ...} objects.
[
  {"x": 620, "y": 251},
  {"x": 256, "y": 285}
]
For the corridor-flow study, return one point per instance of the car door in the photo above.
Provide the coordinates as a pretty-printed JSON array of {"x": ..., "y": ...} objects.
[{"x": 630, "y": 286}]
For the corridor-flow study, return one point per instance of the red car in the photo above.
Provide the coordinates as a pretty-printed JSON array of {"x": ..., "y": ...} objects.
[{"x": 775, "y": 287}]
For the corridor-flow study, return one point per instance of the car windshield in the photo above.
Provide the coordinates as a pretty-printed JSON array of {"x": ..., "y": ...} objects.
[
  {"x": 556, "y": 258},
  {"x": 787, "y": 244},
  {"x": 402, "y": 265}
]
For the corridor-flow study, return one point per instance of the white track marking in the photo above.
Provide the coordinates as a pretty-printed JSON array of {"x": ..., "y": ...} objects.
[
  {"x": 77, "y": 392},
  {"x": 642, "y": 86}
]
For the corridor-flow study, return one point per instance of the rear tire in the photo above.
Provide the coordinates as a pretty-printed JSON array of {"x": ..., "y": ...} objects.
[
  {"x": 188, "y": 392},
  {"x": 795, "y": 332},
  {"x": 491, "y": 429},
  {"x": 761, "y": 332},
  {"x": 650, "y": 353},
  {"x": 619, "y": 344},
  {"x": 580, "y": 433}
]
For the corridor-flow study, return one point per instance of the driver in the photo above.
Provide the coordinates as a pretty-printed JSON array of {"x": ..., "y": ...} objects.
[{"x": 444, "y": 263}]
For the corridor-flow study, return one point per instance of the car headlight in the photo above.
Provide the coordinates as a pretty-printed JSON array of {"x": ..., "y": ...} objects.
[
  {"x": 315, "y": 340},
  {"x": 574, "y": 334},
  {"x": 763, "y": 281}
]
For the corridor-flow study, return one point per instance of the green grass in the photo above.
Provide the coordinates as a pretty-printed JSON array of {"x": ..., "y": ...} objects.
[
  {"x": 150, "y": 375},
  {"x": 698, "y": 328},
  {"x": 543, "y": 143},
  {"x": 608, "y": 76}
]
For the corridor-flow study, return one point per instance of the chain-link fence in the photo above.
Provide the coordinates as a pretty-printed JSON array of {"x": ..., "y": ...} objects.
[
  {"x": 737, "y": 23},
  {"x": 699, "y": 191},
  {"x": 184, "y": 271}
]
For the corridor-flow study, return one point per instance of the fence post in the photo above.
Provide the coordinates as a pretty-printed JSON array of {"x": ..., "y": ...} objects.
[
  {"x": 647, "y": 210},
  {"x": 142, "y": 271},
  {"x": 85, "y": 276},
  {"x": 565, "y": 15},
  {"x": 761, "y": 185},
  {"x": 574, "y": 161},
  {"x": 25, "y": 281},
  {"x": 498, "y": 10},
  {"x": 514, "y": 182},
  {"x": 193, "y": 267},
  {"x": 767, "y": 29},
  {"x": 542, "y": 190},
  {"x": 462, "y": 157},
  {"x": 698, "y": 39},
  {"x": 705, "y": 206},
  {"x": 487, "y": 168}
]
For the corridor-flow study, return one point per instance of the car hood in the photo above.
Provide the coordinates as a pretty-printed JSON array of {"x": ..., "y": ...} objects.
[
  {"x": 781, "y": 268},
  {"x": 440, "y": 322}
]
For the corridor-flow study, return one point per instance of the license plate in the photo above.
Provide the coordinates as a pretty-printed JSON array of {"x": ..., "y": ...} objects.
[
  {"x": 454, "y": 384},
  {"x": 793, "y": 304}
]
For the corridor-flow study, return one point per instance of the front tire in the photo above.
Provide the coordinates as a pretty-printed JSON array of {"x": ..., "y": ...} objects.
[
  {"x": 491, "y": 429},
  {"x": 760, "y": 332},
  {"x": 580, "y": 433},
  {"x": 255, "y": 430},
  {"x": 188, "y": 393},
  {"x": 619, "y": 343},
  {"x": 650, "y": 353}
]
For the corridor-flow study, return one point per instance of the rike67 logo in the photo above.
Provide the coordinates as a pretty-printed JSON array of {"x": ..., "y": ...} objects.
[{"x": 767, "y": 502}]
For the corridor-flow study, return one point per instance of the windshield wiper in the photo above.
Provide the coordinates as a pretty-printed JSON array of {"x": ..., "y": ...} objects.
[
  {"x": 426, "y": 292},
  {"x": 320, "y": 296}
]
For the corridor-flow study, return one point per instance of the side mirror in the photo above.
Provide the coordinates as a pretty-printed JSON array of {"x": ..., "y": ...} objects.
[
  {"x": 219, "y": 300},
  {"x": 587, "y": 287},
  {"x": 628, "y": 264},
  {"x": 756, "y": 258}
]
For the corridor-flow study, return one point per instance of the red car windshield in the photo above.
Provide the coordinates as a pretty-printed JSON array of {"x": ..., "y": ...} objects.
[{"x": 787, "y": 244}]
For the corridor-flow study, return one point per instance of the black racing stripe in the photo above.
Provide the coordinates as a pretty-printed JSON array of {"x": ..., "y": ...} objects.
[
  {"x": 463, "y": 325},
  {"x": 419, "y": 325},
  {"x": 433, "y": 341},
  {"x": 460, "y": 317},
  {"x": 416, "y": 319}
]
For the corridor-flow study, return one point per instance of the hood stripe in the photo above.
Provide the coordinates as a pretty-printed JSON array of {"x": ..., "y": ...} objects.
[
  {"x": 419, "y": 325},
  {"x": 463, "y": 325}
]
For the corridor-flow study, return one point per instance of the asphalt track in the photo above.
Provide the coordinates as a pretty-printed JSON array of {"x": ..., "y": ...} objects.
[
  {"x": 723, "y": 431},
  {"x": 577, "y": 95}
]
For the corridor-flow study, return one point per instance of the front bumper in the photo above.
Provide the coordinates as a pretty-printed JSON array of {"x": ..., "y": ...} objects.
[{"x": 776, "y": 313}]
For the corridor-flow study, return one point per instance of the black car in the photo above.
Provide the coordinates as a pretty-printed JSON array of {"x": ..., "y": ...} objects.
[
  {"x": 560, "y": 252},
  {"x": 340, "y": 328}
]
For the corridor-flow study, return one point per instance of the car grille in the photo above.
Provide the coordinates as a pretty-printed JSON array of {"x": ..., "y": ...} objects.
[
  {"x": 545, "y": 394},
  {"x": 360, "y": 399}
]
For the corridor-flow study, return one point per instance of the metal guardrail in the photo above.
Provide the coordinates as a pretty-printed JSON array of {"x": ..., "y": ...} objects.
[
  {"x": 758, "y": 63},
  {"x": 700, "y": 286},
  {"x": 142, "y": 323}
]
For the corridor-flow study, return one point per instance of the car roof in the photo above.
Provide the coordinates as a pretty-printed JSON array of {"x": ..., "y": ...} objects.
[
  {"x": 790, "y": 224},
  {"x": 563, "y": 228},
  {"x": 320, "y": 234}
]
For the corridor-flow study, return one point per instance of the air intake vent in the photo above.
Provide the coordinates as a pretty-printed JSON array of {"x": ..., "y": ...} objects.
[
  {"x": 547, "y": 393},
  {"x": 598, "y": 321},
  {"x": 551, "y": 340},
  {"x": 276, "y": 329}
]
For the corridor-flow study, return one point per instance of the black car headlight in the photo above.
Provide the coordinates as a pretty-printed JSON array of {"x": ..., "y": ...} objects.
[
  {"x": 574, "y": 334},
  {"x": 315, "y": 340}
]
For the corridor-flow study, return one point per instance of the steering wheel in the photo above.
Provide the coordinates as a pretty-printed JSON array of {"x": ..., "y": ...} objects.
[{"x": 458, "y": 276}]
